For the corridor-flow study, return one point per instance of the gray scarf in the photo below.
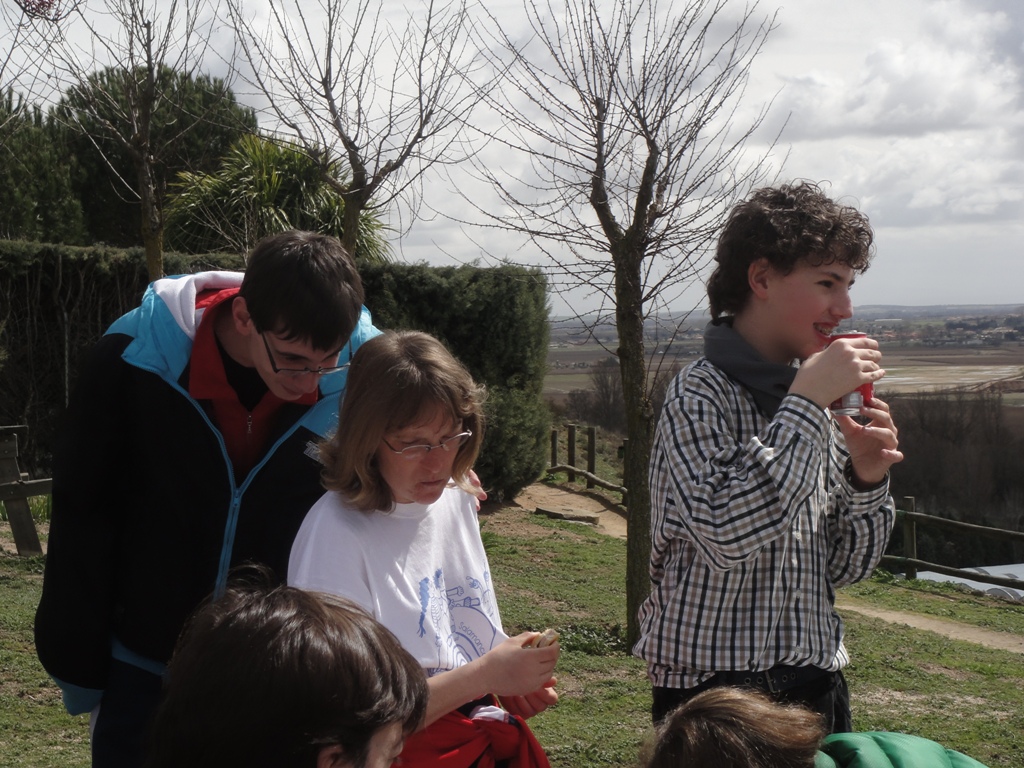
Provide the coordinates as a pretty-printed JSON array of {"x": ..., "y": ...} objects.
[{"x": 767, "y": 382}]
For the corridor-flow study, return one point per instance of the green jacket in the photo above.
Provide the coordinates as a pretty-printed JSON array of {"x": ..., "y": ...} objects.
[{"x": 888, "y": 750}]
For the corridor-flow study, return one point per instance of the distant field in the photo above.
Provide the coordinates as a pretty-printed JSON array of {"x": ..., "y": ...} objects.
[
  {"x": 915, "y": 369},
  {"x": 908, "y": 369},
  {"x": 565, "y": 375}
]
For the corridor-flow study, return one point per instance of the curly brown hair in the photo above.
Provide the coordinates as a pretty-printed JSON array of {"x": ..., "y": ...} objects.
[{"x": 786, "y": 225}]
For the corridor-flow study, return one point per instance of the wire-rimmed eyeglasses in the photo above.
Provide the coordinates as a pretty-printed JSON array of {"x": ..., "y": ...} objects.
[
  {"x": 419, "y": 451},
  {"x": 321, "y": 371}
]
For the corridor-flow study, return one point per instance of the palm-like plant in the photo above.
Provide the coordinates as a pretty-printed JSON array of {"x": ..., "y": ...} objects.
[{"x": 262, "y": 187}]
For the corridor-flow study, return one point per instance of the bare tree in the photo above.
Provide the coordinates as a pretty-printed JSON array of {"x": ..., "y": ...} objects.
[
  {"x": 149, "y": 48},
  {"x": 628, "y": 113},
  {"x": 391, "y": 99},
  {"x": 25, "y": 32}
]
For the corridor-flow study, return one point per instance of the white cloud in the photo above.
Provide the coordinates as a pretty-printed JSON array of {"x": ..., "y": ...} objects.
[
  {"x": 912, "y": 110},
  {"x": 967, "y": 264},
  {"x": 880, "y": 72}
]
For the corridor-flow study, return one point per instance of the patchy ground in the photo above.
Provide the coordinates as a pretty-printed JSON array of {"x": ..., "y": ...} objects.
[
  {"x": 7, "y": 538},
  {"x": 611, "y": 520},
  {"x": 591, "y": 508},
  {"x": 583, "y": 506}
]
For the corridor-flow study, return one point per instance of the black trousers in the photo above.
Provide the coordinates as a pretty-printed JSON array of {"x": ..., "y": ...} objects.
[
  {"x": 826, "y": 695},
  {"x": 129, "y": 701}
]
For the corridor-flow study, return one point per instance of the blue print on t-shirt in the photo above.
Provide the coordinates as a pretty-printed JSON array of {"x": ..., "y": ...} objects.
[{"x": 461, "y": 617}]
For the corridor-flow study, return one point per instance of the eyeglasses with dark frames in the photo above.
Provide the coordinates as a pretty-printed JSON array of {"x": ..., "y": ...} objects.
[
  {"x": 321, "y": 371},
  {"x": 412, "y": 452}
]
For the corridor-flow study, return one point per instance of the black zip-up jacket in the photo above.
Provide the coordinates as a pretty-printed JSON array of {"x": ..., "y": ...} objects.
[{"x": 147, "y": 514}]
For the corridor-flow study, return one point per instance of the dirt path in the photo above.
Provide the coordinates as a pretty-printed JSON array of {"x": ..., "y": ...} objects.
[
  {"x": 610, "y": 519},
  {"x": 951, "y": 629},
  {"x": 583, "y": 506}
]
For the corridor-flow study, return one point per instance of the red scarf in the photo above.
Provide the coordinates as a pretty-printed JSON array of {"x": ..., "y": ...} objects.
[{"x": 457, "y": 741}]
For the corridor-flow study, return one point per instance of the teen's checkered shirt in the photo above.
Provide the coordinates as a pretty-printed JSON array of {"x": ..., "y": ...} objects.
[{"x": 754, "y": 524}]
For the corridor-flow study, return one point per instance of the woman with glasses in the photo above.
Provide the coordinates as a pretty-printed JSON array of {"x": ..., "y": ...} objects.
[{"x": 397, "y": 533}]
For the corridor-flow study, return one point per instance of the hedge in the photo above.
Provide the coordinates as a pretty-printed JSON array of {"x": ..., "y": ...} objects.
[{"x": 56, "y": 301}]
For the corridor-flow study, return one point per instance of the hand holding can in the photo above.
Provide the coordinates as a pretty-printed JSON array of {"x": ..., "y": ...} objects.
[{"x": 851, "y": 403}]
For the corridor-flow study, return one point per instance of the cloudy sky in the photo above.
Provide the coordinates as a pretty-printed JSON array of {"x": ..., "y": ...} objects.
[
  {"x": 910, "y": 109},
  {"x": 913, "y": 111}
]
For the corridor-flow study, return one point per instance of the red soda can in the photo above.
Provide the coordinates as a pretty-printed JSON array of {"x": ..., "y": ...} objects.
[{"x": 850, "y": 405}]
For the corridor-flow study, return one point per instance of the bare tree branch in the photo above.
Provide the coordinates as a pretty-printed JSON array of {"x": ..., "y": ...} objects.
[
  {"x": 392, "y": 99},
  {"x": 629, "y": 115},
  {"x": 28, "y": 29}
]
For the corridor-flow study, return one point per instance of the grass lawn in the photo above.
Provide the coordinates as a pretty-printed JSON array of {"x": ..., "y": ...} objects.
[
  {"x": 34, "y": 728},
  {"x": 569, "y": 577},
  {"x": 964, "y": 696}
]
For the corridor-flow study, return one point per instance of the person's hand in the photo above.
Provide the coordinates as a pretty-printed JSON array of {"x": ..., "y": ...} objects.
[
  {"x": 837, "y": 370},
  {"x": 479, "y": 492},
  {"x": 873, "y": 447},
  {"x": 510, "y": 669},
  {"x": 532, "y": 703}
]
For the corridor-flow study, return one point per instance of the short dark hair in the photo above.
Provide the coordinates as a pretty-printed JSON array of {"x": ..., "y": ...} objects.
[
  {"x": 735, "y": 728},
  {"x": 785, "y": 225},
  {"x": 395, "y": 380},
  {"x": 267, "y": 676},
  {"x": 303, "y": 285}
]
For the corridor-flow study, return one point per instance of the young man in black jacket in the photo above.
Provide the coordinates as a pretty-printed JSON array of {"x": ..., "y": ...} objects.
[{"x": 189, "y": 447}]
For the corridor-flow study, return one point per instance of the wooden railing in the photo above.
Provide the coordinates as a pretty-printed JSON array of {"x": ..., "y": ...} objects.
[
  {"x": 588, "y": 474},
  {"x": 907, "y": 515}
]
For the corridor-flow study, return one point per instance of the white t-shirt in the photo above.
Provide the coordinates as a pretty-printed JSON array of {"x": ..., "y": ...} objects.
[{"x": 420, "y": 570}]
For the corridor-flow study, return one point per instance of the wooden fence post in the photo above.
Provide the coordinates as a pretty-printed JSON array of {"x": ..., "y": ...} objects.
[
  {"x": 571, "y": 447},
  {"x": 591, "y": 454},
  {"x": 909, "y": 535},
  {"x": 625, "y": 455},
  {"x": 15, "y": 497},
  {"x": 554, "y": 448}
]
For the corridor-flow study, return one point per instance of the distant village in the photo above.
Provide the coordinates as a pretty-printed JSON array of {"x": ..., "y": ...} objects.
[
  {"x": 905, "y": 327},
  {"x": 954, "y": 331}
]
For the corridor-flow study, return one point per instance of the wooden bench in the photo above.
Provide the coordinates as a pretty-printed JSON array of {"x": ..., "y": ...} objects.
[{"x": 15, "y": 490}]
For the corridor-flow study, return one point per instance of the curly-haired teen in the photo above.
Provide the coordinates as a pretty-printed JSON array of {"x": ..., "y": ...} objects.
[
  {"x": 762, "y": 501},
  {"x": 787, "y": 226}
]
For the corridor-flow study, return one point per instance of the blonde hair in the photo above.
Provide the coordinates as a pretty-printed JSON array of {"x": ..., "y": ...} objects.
[
  {"x": 735, "y": 728},
  {"x": 398, "y": 379}
]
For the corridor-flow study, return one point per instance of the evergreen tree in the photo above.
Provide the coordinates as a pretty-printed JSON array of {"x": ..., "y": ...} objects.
[
  {"x": 36, "y": 198},
  {"x": 194, "y": 122}
]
